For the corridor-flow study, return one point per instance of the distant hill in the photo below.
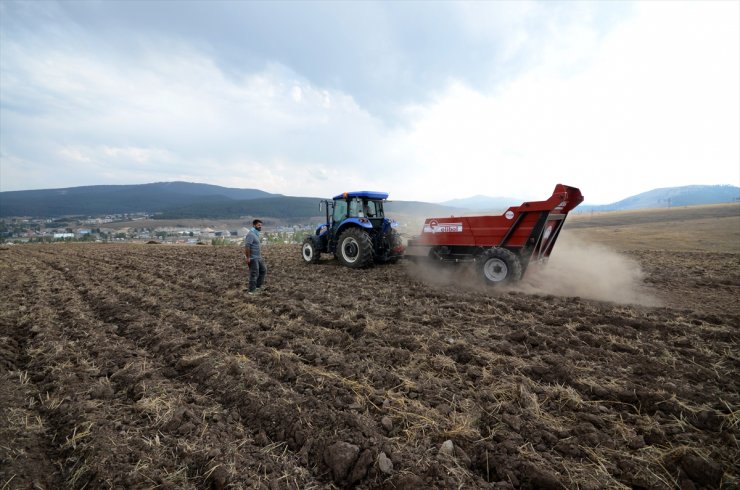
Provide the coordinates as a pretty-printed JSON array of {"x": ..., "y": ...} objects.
[
  {"x": 484, "y": 203},
  {"x": 690, "y": 195},
  {"x": 179, "y": 200},
  {"x": 288, "y": 207},
  {"x": 273, "y": 207},
  {"x": 98, "y": 200}
]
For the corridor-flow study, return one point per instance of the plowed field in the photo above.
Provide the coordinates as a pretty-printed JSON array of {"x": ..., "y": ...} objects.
[{"x": 148, "y": 366}]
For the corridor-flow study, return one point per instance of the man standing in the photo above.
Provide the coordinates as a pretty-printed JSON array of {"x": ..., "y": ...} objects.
[{"x": 256, "y": 263}]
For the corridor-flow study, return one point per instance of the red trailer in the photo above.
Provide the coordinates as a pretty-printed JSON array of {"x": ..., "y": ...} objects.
[{"x": 501, "y": 246}]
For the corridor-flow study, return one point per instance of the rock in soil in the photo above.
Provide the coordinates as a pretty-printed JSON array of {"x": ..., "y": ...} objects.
[
  {"x": 447, "y": 448},
  {"x": 385, "y": 465}
]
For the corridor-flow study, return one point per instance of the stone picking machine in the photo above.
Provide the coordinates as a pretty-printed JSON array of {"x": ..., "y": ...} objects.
[
  {"x": 502, "y": 247},
  {"x": 356, "y": 231}
]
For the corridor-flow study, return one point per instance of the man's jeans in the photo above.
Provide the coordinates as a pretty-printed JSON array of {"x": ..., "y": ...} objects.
[{"x": 257, "y": 272}]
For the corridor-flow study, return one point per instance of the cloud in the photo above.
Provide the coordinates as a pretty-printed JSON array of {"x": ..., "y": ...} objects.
[
  {"x": 313, "y": 98},
  {"x": 186, "y": 118},
  {"x": 647, "y": 110}
]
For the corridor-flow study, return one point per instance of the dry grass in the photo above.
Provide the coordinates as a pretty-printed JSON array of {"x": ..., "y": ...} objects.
[
  {"x": 159, "y": 408},
  {"x": 712, "y": 228}
]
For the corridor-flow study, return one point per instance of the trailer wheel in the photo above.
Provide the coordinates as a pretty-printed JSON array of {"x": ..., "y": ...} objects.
[
  {"x": 310, "y": 250},
  {"x": 499, "y": 266},
  {"x": 355, "y": 248}
]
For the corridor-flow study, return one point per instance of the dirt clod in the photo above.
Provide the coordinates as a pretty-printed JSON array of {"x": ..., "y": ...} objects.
[
  {"x": 359, "y": 470},
  {"x": 340, "y": 457},
  {"x": 702, "y": 471},
  {"x": 103, "y": 391},
  {"x": 219, "y": 478}
]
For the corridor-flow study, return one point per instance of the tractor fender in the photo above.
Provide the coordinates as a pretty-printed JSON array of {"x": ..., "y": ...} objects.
[
  {"x": 359, "y": 222},
  {"x": 388, "y": 224},
  {"x": 321, "y": 230}
]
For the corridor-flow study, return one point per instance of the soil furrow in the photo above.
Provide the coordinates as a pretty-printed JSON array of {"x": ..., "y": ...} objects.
[
  {"x": 378, "y": 378},
  {"x": 211, "y": 445},
  {"x": 27, "y": 456}
]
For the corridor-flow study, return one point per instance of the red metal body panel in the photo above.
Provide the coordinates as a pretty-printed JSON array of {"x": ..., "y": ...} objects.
[{"x": 513, "y": 229}]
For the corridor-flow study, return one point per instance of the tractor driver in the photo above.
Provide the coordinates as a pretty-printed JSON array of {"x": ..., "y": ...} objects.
[
  {"x": 370, "y": 209},
  {"x": 360, "y": 208},
  {"x": 355, "y": 208}
]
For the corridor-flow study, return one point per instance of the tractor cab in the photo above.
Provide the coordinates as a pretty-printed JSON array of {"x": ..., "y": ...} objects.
[{"x": 362, "y": 207}]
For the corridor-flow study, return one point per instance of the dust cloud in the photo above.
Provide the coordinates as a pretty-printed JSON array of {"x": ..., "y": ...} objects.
[
  {"x": 433, "y": 273},
  {"x": 590, "y": 271},
  {"x": 575, "y": 268}
]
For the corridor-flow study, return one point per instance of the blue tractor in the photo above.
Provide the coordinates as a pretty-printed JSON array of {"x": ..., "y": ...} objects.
[{"x": 356, "y": 231}]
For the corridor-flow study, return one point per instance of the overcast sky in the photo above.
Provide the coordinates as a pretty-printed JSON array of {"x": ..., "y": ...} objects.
[{"x": 426, "y": 100}]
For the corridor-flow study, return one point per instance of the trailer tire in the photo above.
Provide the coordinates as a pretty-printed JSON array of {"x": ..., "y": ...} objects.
[
  {"x": 355, "y": 248},
  {"x": 499, "y": 266},
  {"x": 310, "y": 250}
]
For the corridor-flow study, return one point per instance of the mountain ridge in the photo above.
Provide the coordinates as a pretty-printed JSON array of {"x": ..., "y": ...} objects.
[
  {"x": 666, "y": 197},
  {"x": 118, "y": 199},
  {"x": 689, "y": 195},
  {"x": 195, "y": 200}
]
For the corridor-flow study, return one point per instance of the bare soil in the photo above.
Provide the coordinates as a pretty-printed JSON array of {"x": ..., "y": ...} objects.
[
  {"x": 148, "y": 366},
  {"x": 708, "y": 228}
]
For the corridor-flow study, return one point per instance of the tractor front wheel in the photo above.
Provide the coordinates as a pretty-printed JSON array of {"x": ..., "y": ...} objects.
[
  {"x": 355, "y": 248},
  {"x": 499, "y": 266},
  {"x": 310, "y": 250}
]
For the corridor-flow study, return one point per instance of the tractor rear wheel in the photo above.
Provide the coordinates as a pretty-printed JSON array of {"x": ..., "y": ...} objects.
[
  {"x": 310, "y": 250},
  {"x": 499, "y": 266},
  {"x": 355, "y": 248}
]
